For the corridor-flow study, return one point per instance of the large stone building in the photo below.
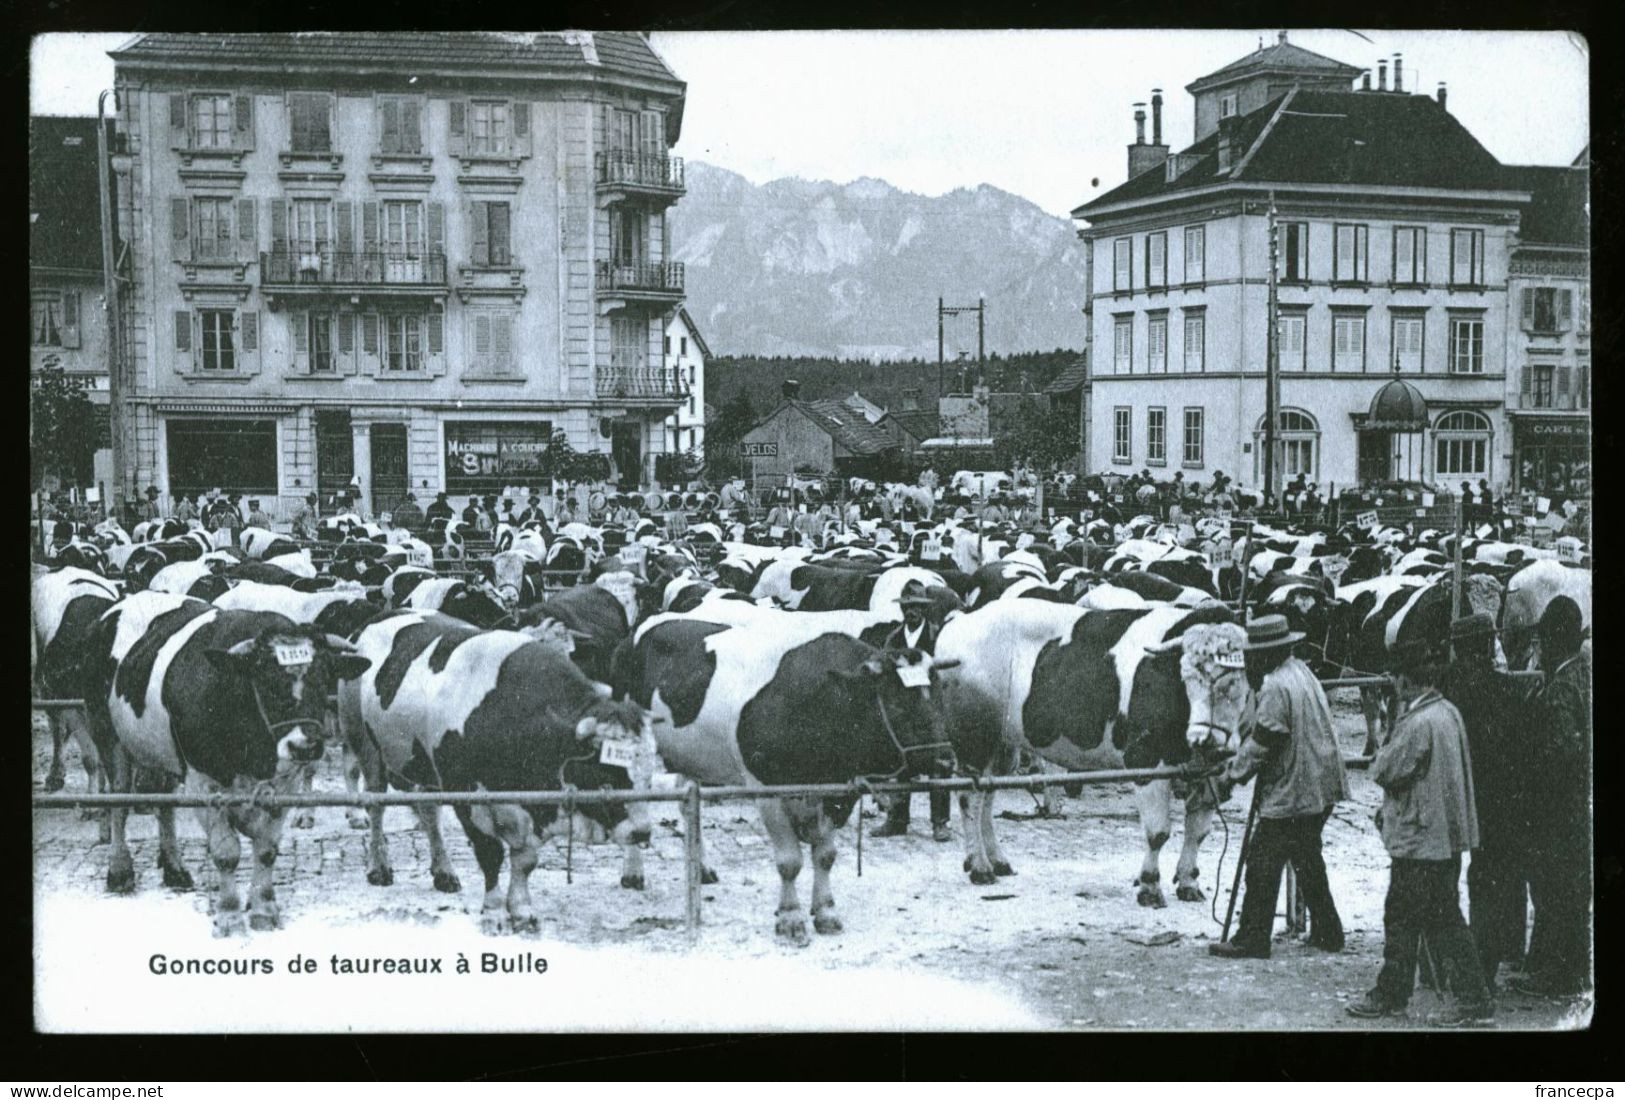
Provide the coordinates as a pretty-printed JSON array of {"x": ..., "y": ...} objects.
[
  {"x": 67, "y": 323},
  {"x": 401, "y": 258},
  {"x": 1396, "y": 228}
]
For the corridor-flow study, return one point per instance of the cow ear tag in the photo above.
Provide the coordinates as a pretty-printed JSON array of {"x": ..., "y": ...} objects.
[
  {"x": 421, "y": 556},
  {"x": 914, "y": 676},
  {"x": 617, "y": 754},
  {"x": 297, "y": 653}
]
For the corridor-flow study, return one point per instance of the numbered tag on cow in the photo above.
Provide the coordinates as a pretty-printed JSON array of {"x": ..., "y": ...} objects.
[
  {"x": 289, "y": 654},
  {"x": 1224, "y": 553},
  {"x": 420, "y": 556},
  {"x": 1427, "y": 500},
  {"x": 931, "y": 550},
  {"x": 1484, "y": 531},
  {"x": 914, "y": 676},
  {"x": 1366, "y": 521},
  {"x": 617, "y": 754},
  {"x": 634, "y": 554},
  {"x": 1568, "y": 549}
]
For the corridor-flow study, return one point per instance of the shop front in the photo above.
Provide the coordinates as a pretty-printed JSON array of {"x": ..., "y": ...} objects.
[
  {"x": 487, "y": 457},
  {"x": 1552, "y": 455},
  {"x": 231, "y": 453}
]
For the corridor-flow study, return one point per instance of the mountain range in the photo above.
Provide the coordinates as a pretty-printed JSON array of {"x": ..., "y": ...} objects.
[{"x": 814, "y": 268}]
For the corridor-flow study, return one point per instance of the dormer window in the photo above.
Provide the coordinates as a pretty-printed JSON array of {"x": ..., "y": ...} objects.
[{"x": 1227, "y": 105}]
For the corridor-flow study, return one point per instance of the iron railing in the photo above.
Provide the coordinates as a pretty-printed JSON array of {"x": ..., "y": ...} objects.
[
  {"x": 615, "y": 275},
  {"x": 634, "y": 381},
  {"x": 324, "y": 266},
  {"x": 644, "y": 170}
]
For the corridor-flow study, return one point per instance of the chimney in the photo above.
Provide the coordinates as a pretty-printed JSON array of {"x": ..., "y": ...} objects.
[
  {"x": 1399, "y": 81},
  {"x": 1365, "y": 81},
  {"x": 791, "y": 389},
  {"x": 1280, "y": 38},
  {"x": 1142, "y": 157},
  {"x": 1441, "y": 94},
  {"x": 1382, "y": 76}
]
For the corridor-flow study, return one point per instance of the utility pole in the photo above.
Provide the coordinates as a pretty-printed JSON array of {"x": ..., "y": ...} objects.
[
  {"x": 980, "y": 309},
  {"x": 1272, "y": 375},
  {"x": 981, "y": 330},
  {"x": 939, "y": 348},
  {"x": 110, "y": 300}
]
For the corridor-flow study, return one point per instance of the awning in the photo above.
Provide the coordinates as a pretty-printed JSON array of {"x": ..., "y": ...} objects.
[{"x": 1397, "y": 407}]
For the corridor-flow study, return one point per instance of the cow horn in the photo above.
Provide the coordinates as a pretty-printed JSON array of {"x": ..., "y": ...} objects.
[
  {"x": 1173, "y": 645},
  {"x": 340, "y": 645},
  {"x": 242, "y": 648},
  {"x": 945, "y": 663},
  {"x": 586, "y": 728}
]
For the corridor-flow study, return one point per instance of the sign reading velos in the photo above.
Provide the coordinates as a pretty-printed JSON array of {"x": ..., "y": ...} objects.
[{"x": 758, "y": 450}]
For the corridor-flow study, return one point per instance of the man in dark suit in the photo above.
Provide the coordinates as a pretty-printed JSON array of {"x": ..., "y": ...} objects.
[{"x": 916, "y": 631}]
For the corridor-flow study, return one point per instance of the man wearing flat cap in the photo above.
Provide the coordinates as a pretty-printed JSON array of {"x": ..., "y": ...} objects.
[
  {"x": 1560, "y": 752},
  {"x": 916, "y": 631},
  {"x": 1292, "y": 749},
  {"x": 1495, "y": 714},
  {"x": 1428, "y": 819}
]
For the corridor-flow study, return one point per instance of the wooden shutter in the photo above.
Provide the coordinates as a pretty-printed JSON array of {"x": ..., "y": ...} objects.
[
  {"x": 251, "y": 330},
  {"x": 70, "y": 319},
  {"x": 1565, "y": 309},
  {"x": 389, "y": 114},
  {"x": 369, "y": 226},
  {"x": 457, "y": 126},
  {"x": 411, "y": 127},
  {"x": 482, "y": 234},
  {"x": 1528, "y": 308},
  {"x": 1564, "y": 374},
  {"x": 279, "y": 227},
  {"x": 346, "y": 337},
  {"x": 521, "y": 127},
  {"x": 654, "y": 138},
  {"x": 177, "y": 119},
  {"x": 437, "y": 332},
  {"x": 502, "y": 340},
  {"x": 437, "y": 233},
  {"x": 369, "y": 333},
  {"x": 242, "y": 121},
  {"x": 501, "y": 252},
  {"x": 180, "y": 217},
  {"x": 301, "y": 331},
  {"x": 1525, "y": 386},
  {"x": 247, "y": 231},
  {"x": 482, "y": 341},
  {"x": 183, "y": 330}
]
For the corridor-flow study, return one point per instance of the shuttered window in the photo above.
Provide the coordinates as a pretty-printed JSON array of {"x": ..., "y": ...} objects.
[
  {"x": 1466, "y": 345},
  {"x": 1348, "y": 342},
  {"x": 1466, "y": 257},
  {"x": 492, "y": 245},
  {"x": 1195, "y": 253},
  {"x": 211, "y": 121},
  {"x": 1294, "y": 252},
  {"x": 403, "y": 342},
  {"x": 1410, "y": 255},
  {"x": 400, "y": 129},
  {"x": 1123, "y": 263},
  {"x": 310, "y": 122},
  {"x": 1407, "y": 343},
  {"x": 1157, "y": 344},
  {"x": 1156, "y": 259},
  {"x": 1195, "y": 342},
  {"x": 1349, "y": 252},
  {"x": 219, "y": 344},
  {"x": 321, "y": 343},
  {"x": 1547, "y": 309},
  {"x": 488, "y": 132},
  {"x": 211, "y": 230},
  {"x": 1123, "y": 345},
  {"x": 45, "y": 329},
  {"x": 1294, "y": 328}
]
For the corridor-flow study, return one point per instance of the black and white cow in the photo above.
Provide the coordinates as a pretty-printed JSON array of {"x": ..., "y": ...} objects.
[
  {"x": 600, "y": 616},
  {"x": 476, "y": 603},
  {"x": 262, "y": 545},
  {"x": 1528, "y": 592},
  {"x": 447, "y": 706},
  {"x": 80, "y": 554},
  {"x": 742, "y": 704},
  {"x": 145, "y": 561},
  {"x": 1094, "y": 689},
  {"x": 822, "y": 588},
  {"x": 66, "y": 604},
  {"x": 203, "y": 580},
  {"x": 217, "y": 700}
]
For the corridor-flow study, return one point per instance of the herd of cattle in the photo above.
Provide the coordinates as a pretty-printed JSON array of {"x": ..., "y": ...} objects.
[{"x": 727, "y": 658}]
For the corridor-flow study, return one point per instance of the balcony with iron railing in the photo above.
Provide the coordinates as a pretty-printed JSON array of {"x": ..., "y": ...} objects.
[
  {"x": 652, "y": 176},
  {"x": 627, "y": 377},
  {"x": 621, "y": 284},
  {"x": 323, "y": 267}
]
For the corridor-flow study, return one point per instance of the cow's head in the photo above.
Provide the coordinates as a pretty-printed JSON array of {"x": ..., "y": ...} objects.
[
  {"x": 290, "y": 672},
  {"x": 1212, "y": 665},
  {"x": 627, "y": 729},
  {"x": 551, "y": 632},
  {"x": 508, "y": 577},
  {"x": 911, "y": 738}
]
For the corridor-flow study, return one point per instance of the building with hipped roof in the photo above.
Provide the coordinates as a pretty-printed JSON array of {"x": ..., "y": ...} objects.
[
  {"x": 1395, "y": 231},
  {"x": 823, "y": 436}
]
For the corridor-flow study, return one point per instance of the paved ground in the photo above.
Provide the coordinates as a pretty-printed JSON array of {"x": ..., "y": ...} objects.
[{"x": 1063, "y": 942}]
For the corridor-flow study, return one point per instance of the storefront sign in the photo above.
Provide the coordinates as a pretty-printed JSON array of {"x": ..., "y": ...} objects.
[
  {"x": 482, "y": 456},
  {"x": 759, "y": 450},
  {"x": 1555, "y": 429}
]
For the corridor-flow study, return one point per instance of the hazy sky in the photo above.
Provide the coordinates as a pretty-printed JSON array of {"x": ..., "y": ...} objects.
[{"x": 1038, "y": 113}]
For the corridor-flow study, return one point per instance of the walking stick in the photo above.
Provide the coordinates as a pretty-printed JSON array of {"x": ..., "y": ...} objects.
[{"x": 1241, "y": 856}]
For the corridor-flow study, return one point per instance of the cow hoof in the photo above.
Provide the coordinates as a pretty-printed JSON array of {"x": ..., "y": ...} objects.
[
  {"x": 447, "y": 883},
  {"x": 707, "y": 876},
  {"x": 177, "y": 878},
  {"x": 1150, "y": 896},
  {"x": 494, "y": 922},
  {"x": 826, "y": 924},
  {"x": 632, "y": 882},
  {"x": 104, "y": 835},
  {"x": 1190, "y": 892},
  {"x": 794, "y": 929},
  {"x": 304, "y": 819},
  {"x": 263, "y": 922},
  {"x": 89, "y": 814},
  {"x": 528, "y": 924},
  {"x": 357, "y": 819},
  {"x": 381, "y": 876},
  {"x": 983, "y": 878},
  {"x": 228, "y": 924},
  {"x": 121, "y": 877},
  {"x": 1001, "y": 868},
  {"x": 54, "y": 781}
]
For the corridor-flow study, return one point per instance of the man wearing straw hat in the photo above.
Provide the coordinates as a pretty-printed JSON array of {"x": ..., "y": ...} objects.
[
  {"x": 916, "y": 631},
  {"x": 1292, "y": 749},
  {"x": 1428, "y": 819}
]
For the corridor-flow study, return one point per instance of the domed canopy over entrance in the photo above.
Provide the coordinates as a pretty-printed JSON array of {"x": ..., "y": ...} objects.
[
  {"x": 1397, "y": 407},
  {"x": 1391, "y": 434}
]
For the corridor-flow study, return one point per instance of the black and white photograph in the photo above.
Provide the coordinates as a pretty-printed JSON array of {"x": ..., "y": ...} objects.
[{"x": 811, "y": 531}]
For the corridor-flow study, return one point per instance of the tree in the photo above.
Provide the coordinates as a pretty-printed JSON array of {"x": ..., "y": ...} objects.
[
  {"x": 722, "y": 437},
  {"x": 1041, "y": 438},
  {"x": 62, "y": 426}
]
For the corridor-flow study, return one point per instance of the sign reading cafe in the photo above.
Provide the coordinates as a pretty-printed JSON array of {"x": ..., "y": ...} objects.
[{"x": 484, "y": 457}]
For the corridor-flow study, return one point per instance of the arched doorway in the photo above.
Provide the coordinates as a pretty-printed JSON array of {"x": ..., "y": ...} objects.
[
  {"x": 1462, "y": 447},
  {"x": 1392, "y": 444},
  {"x": 1299, "y": 433}
]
